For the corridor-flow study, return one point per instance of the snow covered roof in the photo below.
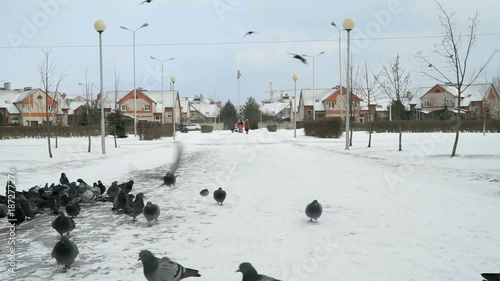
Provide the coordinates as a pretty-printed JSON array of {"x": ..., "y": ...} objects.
[
  {"x": 158, "y": 97},
  {"x": 12, "y": 99},
  {"x": 319, "y": 96},
  {"x": 274, "y": 108},
  {"x": 184, "y": 106},
  {"x": 416, "y": 97},
  {"x": 475, "y": 92},
  {"x": 205, "y": 109}
]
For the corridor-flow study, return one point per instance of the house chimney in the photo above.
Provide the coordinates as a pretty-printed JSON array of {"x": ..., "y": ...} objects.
[{"x": 6, "y": 86}]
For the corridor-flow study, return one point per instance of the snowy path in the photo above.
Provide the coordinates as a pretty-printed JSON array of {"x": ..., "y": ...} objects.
[{"x": 435, "y": 225}]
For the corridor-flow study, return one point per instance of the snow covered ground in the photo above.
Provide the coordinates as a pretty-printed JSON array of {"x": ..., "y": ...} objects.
[{"x": 388, "y": 215}]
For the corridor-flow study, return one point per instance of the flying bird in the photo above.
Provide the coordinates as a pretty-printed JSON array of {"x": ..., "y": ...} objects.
[
  {"x": 491, "y": 276},
  {"x": 170, "y": 178},
  {"x": 145, "y": 1},
  {"x": 314, "y": 210},
  {"x": 164, "y": 269},
  {"x": 249, "y": 273},
  {"x": 299, "y": 57},
  {"x": 249, "y": 33}
]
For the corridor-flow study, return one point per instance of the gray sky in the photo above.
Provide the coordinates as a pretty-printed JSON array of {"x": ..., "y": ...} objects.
[{"x": 205, "y": 37}]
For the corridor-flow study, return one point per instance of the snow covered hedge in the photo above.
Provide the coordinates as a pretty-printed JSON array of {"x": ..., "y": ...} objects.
[
  {"x": 207, "y": 128},
  {"x": 330, "y": 127}
]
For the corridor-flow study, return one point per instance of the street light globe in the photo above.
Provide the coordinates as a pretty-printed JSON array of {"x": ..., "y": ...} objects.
[
  {"x": 295, "y": 77},
  {"x": 100, "y": 26},
  {"x": 172, "y": 79},
  {"x": 348, "y": 24}
]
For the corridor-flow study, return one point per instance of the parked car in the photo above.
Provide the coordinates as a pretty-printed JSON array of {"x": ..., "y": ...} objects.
[{"x": 193, "y": 127}]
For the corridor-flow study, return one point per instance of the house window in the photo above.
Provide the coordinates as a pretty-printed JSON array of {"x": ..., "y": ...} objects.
[
  {"x": 147, "y": 107},
  {"x": 124, "y": 107},
  {"x": 379, "y": 106},
  {"x": 27, "y": 107},
  {"x": 331, "y": 105},
  {"x": 427, "y": 103},
  {"x": 169, "y": 114},
  {"x": 50, "y": 108},
  {"x": 309, "y": 113},
  {"x": 157, "y": 118},
  {"x": 448, "y": 102}
]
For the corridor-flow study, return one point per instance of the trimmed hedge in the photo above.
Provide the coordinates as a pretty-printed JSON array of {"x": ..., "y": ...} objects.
[
  {"x": 492, "y": 126},
  {"x": 272, "y": 128},
  {"x": 207, "y": 128},
  {"x": 16, "y": 132},
  {"x": 330, "y": 127},
  {"x": 154, "y": 130}
]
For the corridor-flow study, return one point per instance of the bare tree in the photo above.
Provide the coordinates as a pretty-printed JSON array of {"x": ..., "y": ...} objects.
[
  {"x": 47, "y": 70},
  {"x": 394, "y": 82},
  {"x": 87, "y": 92},
  {"x": 58, "y": 99},
  {"x": 366, "y": 83},
  {"x": 456, "y": 49}
]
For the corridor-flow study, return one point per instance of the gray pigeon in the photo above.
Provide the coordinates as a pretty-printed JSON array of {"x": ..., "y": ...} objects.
[
  {"x": 121, "y": 201},
  {"x": 151, "y": 212},
  {"x": 63, "y": 224},
  {"x": 314, "y": 211},
  {"x": 164, "y": 269},
  {"x": 65, "y": 252},
  {"x": 170, "y": 178},
  {"x": 113, "y": 190},
  {"x": 3, "y": 210},
  {"x": 101, "y": 187},
  {"x": 63, "y": 179},
  {"x": 250, "y": 274},
  {"x": 491, "y": 276},
  {"x": 137, "y": 206},
  {"x": 220, "y": 195},
  {"x": 73, "y": 208}
]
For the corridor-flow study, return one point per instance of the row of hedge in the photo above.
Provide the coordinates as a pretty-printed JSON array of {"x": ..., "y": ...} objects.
[
  {"x": 492, "y": 126},
  {"x": 16, "y": 132},
  {"x": 154, "y": 130},
  {"x": 330, "y": 127}
]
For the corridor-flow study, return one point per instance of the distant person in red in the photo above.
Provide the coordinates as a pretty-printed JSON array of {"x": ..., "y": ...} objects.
[
  {"x": 247, "y": 125},
  {"x": 240, "y": 127}
]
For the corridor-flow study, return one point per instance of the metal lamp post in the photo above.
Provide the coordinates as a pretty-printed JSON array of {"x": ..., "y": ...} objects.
[
  {"x": 295, "y": 77},
  {"x": 314, "y": 100},
  {"x": 172, "y": 79},
  {"x": 135, "y": 91},
  {"x": 162, "y": 102},
  {"x": 100, "y": 26},
  {"x": 340, "y": 62},
  {"x": 348, "y": 26}
]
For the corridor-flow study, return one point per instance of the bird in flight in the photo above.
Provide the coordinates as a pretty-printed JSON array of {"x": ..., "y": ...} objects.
[
  {"x": 299, "y": 57},
  {"x": 249, "y": 33},
  {"x": 146, "y": 1}
]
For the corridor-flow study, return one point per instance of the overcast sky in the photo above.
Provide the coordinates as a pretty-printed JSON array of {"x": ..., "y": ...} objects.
[{"x": 205, "y": 38}]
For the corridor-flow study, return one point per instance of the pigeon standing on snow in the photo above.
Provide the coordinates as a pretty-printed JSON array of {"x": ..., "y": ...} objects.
[
  {"x": 250, "y": 274},
  {"x": 17, "y": 217},
  {"x": 54, "y": 202},
  {"x": 121, "y": 201},
  {"x": 151, "y": 212},
  {"x": 63, "y": 224},
  {"x": 164, "y": 269},
  {"x": 220, "y": 195},
  {"x": 314, "y": 210},
  {"x": 126, "y": 187},
  {"x": 113, "y": 190},
  {"x": 65, "y": 252},
  {"x": 63, "y": 179},
  {"x": 73, "y": 208},
  {"x": 3, "y": 210},
  {"x": 204, "y": 192},
  {"x": 137, "y": 206},
  {"x": 170, "y": 178},
  {"x": 101, "y": 187}
]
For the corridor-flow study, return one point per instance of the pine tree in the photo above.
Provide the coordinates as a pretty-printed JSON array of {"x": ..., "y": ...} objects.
[
  {"x": 251, "y": 111},
  {"x": 228, "y": 115}
]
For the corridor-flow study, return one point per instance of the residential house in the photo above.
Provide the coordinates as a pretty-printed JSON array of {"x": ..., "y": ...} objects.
[
  {"x": 204, "y": 112},
  {"x": 434, "y": 103},
  {"x": 76, "y": 107},
  {"x": 278, "y": 110},
  {"x": 185, "y": 110},
  {"x": 31, "y": 107},
  {"x": 152, "y": 106},
  {"x": 328, "y": 102}
]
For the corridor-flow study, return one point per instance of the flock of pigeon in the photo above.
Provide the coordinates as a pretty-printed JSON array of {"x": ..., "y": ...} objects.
[{"x": 67, "y": 196}]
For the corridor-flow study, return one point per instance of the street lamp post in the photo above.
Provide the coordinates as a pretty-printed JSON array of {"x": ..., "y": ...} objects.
[
  {"x": 172, "y": 79},
  {"x": 100, "y": 26},
  {"x": 135, "y": 91},
  {"x": 295, "y": 77},
  {"x": 162, "y": 102},
  {"x": 348, "y": 26},
  {"x": 340, "y": 64},
  {"x": 314, "y": 100}
]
